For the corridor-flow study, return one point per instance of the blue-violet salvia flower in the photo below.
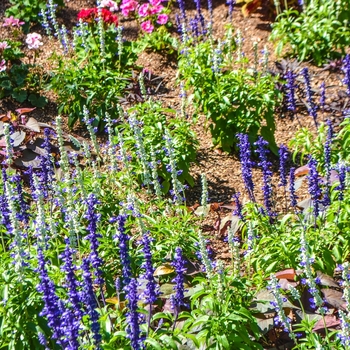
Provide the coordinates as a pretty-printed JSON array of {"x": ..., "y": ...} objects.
[
  {"x": 290, "y": 94},
  {"x": 283, "y": 153},
  {"x": 178, "y": 299},
  {"x": 246, "y": 164},
  {"x": 292, "y": 195},
  {"x": 89, "y": 299},
  {"x": 133, "y": 317},
  {"x": 267, "y": 173},
  {"x": 312, "y": 108},
  {"x": 93, "y": 218},
  {"x": 314, "y": 186}
]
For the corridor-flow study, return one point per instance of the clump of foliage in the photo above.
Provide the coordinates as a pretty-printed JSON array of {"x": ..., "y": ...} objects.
[
  {"x": 19, "y": 80},
  {"x": 318, "y": 32},
  {"x": 234, "y": 97},
  {"x": 28, "y": 10}
]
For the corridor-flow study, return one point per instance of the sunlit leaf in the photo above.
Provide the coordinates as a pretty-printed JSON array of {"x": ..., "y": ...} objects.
[
  {"x": 164, "y": 269},
  {"x": 32, "y": 124},
  {"x": 18, "y": 137}
]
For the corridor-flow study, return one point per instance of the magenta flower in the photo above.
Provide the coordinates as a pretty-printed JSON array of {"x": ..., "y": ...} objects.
[
  {"x": 156, "y": 9},
  {"x": 33, "y": 41},
  {"x": 155, "y": 2},
  {"x": 12, "y": 22},
  {"x": 147, "y": 26},
  {"x": 162, "y": 19},
  {"x": 144, "y": 10},
  {"x": 4, "y": 45},
  {"x": 2, "y": 65},
  {"x": 128, "y": 6}
]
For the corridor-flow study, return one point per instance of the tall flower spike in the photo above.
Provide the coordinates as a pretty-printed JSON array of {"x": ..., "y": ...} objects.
[
  {"x": 155, "y": 177},
  {"x": 312, "y": 108},
  {"x": 88, "y": 122},
  {"x": 323, "y": 95},
  {"x": 283, "y": 156},
  {"x": 238, "y": 210},
  {"x": 306, "y": 264},
  {"x": 281, "y": 318},
  {"x": 133, "y": 317},
  {"x": 267, "y": 173},
  {"x": 246, "y": 164},
  {"x": 89, "y": 299},
  {"x": 292, "y": 195},
  {"x": 327, "y": 162},
  {"x": 314, "y": 186},
  {"x": 140, "y": 148},
  {"x": 208, "y": 265},
  {"x": 178, "y": 299},
  {"x": 204, "y": 198},
  {"x": 51, "y": 309},
  {"x": 342, "y": 169},
  {"x": 290, "y": 94},
  {"x": 123, "y": 240},
  {"x": 93, "y": 218},
  {"x": 344, "y": 334}
]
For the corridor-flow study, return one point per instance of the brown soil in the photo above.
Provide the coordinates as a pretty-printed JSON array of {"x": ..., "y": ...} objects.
[{"x": 222, "y": 170}]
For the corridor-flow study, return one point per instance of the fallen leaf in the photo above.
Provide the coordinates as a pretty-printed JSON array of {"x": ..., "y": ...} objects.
[
  {"x": 303, "y": 170},
  {"x": 334, "y": 298},
  {"x": 288, "y": 274},
  {"x": 326, "y": 280}
]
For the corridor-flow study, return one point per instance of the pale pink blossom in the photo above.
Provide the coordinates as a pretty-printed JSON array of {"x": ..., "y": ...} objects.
[
  {"x": 147, "y": 26},
  {"x": 11, "y": 21},
  {"x": 2, "y": 65},
  {"x": 33, "y": 40},
  {"x": 156, "y": 9},
  {"x": 144, "y": 10},
  {"x": 155, "y": 2},
  {"x": 128, "y": 6},
  {"x": 162, "y": 19},
  {"x": 4, "y": 45},
  {"x": 112, "y": 5}
]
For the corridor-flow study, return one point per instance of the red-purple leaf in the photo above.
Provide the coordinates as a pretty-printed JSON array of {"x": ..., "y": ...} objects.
[
  {"x": 329, "y": 321},
  {"x": 24, "y": 110},
  {"x": 334, "y": 298},
  {"x": 326, "y": 280},
  {"x": 303, "y": 170},
  {"x": 288, "y": 274}
]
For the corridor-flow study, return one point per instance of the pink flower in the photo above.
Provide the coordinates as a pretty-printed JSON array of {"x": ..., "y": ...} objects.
[
  {"x": 33, "y": 40},
  {"x": 144, "y": 10},
  {"x": 4, "y": 45},
  {"x": 2, "y": 65},
  {"x": 11, "y": 21},
  {"x": 112, "y": 5},
  {"x": 155, "y": 2},
  {"x": 156, "y": 9},
  {"x": 128, "y": 6},
  {"x": 147, "y": 26},
  {"x": 162, "y": 19}
]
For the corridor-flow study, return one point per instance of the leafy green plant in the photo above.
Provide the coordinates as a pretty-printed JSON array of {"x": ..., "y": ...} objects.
[
  {"x": 91, "y": 80},
  {"x": 319, "y": 32},
  {"x": 154, "y": 120},
  {"x": 28, "y": 10},
  {"x": 234, "y": 99}
]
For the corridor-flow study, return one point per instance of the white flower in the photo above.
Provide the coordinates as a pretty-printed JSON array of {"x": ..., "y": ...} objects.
[
  {"x": 33, "y": 41},
  {"x": 112, "y": 5}
]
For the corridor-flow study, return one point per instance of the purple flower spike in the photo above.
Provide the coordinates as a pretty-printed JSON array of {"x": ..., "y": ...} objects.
[
  {"x": 323, "y": 95},
  {"x": 312, "y": 108},
  {"x": 283, "y": 153},
  {"x": 178, "y": 299},
  {"x": 93, "y": 218},
  {"x": 123, "y": 239},
  {"x": 327, "y": 162},
  {"x": 133, "y": 317},
  {"x": 52, "y": 309},
  {"x": 293, "y": 196},
  {"x": 314, "y": 186},
  {"x": 238, "y": 210},
  {"x": 151, "y": 291},
  {"x": 291, "y": 86},
  {"x": 89, "y": 298},
  {"x": 246, "y": 164},
  {"x": 267, "y": 173}
]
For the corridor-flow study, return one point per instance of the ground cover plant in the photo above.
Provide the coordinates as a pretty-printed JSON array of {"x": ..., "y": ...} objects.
[{"x": 100, "y": 247}]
